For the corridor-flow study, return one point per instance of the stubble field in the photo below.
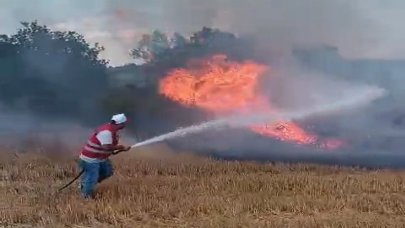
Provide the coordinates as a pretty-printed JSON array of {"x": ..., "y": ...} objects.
[{"x": 156, "y": 187}]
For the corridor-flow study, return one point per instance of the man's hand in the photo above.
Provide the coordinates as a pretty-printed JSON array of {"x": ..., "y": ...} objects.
[
  {"x": 124, "y": 148},
  {"x": 120, "y": 147},
  {"x": 127, "y": 148}
]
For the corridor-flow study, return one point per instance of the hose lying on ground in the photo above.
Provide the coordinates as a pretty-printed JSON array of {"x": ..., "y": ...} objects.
[{"x": 81, "y": 172}]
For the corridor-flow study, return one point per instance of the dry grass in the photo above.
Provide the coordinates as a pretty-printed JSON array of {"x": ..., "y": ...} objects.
[{"x": 157, "y": 188}]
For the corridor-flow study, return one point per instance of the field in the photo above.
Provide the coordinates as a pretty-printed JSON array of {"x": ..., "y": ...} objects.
[{"x": 156, "y": 187}]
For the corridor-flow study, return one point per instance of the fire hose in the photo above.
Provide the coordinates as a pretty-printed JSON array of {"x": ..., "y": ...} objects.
[{"x": 82, "y": 171}]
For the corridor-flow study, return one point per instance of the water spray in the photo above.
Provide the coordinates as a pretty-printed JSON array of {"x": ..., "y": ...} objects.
[{"x": 241, "y": 121}]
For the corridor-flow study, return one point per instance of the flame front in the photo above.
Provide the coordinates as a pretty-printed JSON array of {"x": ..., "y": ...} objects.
[{"x": 220, "y": 86}]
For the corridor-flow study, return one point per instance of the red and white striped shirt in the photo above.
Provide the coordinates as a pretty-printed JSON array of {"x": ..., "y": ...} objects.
[{"x": 93, "y": 151}]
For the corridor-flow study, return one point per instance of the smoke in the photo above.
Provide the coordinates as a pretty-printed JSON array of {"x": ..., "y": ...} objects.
[
  {"x": 276, "y": 25},
  {"x": 295, "y": 83},
  {"x": 27, "y": 133},
  {"x": 373, "y": 128}
]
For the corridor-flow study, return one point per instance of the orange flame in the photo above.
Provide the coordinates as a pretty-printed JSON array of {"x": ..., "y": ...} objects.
[{"x": 222, "y": 87}]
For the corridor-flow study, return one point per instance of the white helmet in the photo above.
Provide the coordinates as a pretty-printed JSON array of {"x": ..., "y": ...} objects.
[{"x": 119, "y": 118}]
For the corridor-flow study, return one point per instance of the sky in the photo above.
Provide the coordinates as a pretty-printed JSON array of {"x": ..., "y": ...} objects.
[{"x": 359, "y": 28}]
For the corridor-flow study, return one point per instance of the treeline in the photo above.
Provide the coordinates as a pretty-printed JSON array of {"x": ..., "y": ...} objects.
[{"x": 59, "y": 75}]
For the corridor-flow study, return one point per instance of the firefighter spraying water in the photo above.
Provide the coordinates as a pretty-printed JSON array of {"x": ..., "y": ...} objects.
[{"x": 94, "y": 159}]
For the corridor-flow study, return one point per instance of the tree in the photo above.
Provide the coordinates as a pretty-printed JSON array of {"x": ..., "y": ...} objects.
[
  {"x": 51, "y": 73},
  {"x": 178, "y": 41},
  {"x": 151, "y": 46}
]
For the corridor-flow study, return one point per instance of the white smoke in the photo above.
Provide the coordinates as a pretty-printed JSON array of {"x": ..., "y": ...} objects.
[{"x": 355, "y": 26}]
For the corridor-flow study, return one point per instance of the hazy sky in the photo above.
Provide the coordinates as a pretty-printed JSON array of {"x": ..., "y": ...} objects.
[{"x": 360, "y": 28}]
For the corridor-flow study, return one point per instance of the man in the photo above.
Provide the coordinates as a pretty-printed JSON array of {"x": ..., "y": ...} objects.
[{"x": 94, "y": 157}]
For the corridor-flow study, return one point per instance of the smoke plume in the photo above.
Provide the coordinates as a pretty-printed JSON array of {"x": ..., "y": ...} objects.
[{"x": 275, "y": 24}]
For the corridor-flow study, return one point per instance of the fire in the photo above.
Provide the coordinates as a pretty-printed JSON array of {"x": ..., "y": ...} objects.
[
  {"x": 285, "y": 131},
  {"x": 217, "y": 85},
  {"x": 220, "y": 86}
]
